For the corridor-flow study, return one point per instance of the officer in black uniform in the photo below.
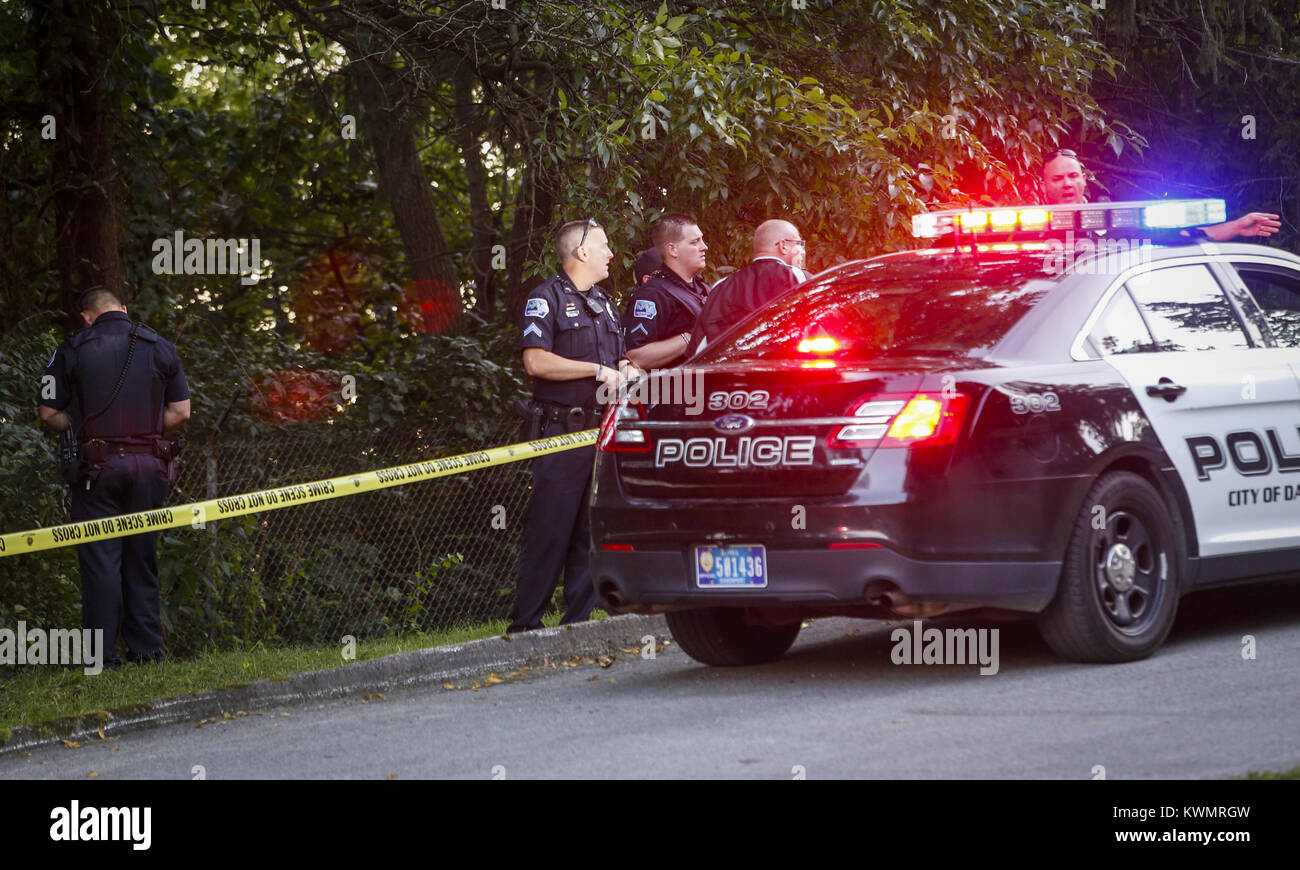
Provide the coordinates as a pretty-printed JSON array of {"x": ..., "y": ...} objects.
[
  {"x": 126, "y": 461},
  {"x": 659, "y": 316},
  {"x": 572, "y": 346}
]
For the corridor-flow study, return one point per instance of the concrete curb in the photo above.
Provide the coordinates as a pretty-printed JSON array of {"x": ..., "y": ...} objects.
[{"x": 398, "y": 671}]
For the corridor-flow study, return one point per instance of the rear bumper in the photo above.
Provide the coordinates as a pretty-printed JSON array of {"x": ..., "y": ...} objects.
[{"x": 824, "y": 578}]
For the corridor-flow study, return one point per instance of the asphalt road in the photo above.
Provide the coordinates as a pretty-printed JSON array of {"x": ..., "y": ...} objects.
[{"x": 835, "y": 707}]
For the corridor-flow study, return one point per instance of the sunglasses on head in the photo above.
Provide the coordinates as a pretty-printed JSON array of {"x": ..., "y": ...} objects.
[
  {"x": 591, "y": 222},
  {"x": 1060, "y": 152}
]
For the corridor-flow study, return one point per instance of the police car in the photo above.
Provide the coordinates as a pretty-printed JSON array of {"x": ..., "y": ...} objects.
[{"x": 1043, "y": 413}]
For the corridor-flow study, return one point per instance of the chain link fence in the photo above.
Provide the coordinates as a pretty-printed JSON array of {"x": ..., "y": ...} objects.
[{"x": 418, "y": 557}]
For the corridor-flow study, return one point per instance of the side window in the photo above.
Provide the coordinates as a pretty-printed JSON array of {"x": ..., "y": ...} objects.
[
  {"x": 1278, "y": 296},
  {"x": 1185, "y": 309},
  {"x": 1121, "y": 329}
]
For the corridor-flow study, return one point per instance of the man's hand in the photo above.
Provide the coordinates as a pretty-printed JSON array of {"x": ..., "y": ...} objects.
[
  {"x": 611, "y": 378},
  {"x": 630, "y": 370},
  {"x": 1256, "y": 224}
]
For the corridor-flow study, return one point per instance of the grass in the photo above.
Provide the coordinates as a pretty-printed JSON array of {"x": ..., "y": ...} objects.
[
  {"x": 63, "y": 699},
  {"x": 1293, "y": 773}
]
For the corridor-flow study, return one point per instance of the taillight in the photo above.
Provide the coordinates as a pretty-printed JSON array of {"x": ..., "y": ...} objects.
[
  {"x": 904, "y": 420},
  {"x": 616, "y": 440}
]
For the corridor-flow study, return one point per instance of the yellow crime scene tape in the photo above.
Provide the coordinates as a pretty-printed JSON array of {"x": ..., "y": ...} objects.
[{"x": 198, "y": 514}]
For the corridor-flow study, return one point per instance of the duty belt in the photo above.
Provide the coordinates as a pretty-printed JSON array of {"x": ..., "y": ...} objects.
[
  {"x": 100, "y": 447},
  {"x": 575, "y": 418}
]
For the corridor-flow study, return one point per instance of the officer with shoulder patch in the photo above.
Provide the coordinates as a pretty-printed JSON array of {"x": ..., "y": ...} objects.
[
  {"x": 119, "y": 386},
  {"x": 572, "y": 346},
  {"x": 659, "y": 317}
]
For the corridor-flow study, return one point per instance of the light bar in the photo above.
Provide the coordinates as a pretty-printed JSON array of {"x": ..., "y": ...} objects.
[
  {"x": 820, "y": 344},
  {"x": 1159, "y": 214}
]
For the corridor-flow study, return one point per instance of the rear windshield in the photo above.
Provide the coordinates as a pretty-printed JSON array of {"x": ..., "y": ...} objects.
[{"x": 938, "y": 306}]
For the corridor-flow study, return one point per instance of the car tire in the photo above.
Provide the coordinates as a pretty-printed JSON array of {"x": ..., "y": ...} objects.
[
  {"x": 1119, "y": 585},
  {"x": 723, "y": 636}
]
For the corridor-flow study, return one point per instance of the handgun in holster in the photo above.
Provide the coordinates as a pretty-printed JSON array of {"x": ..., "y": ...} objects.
[
  {"x": 170, "y": 452},
  {"x": 534, "y": 418}
]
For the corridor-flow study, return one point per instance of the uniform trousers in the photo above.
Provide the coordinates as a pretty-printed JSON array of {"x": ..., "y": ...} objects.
[
  {"x": 119, "y": 576},
  {"x": 557, "y": 537}
]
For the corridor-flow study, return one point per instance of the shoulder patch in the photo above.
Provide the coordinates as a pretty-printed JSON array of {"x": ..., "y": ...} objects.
[
  {"x": 537, "y": 307},
  {"x": 645, "y": 308}
]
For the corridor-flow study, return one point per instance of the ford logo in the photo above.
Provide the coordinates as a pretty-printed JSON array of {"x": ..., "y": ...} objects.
[{"x": 733, "y": 423}]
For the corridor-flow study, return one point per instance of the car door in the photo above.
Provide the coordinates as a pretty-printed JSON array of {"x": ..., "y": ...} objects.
[
  {"x": 1274, "y": 288},
  {"x": 1225, "y": 406}
]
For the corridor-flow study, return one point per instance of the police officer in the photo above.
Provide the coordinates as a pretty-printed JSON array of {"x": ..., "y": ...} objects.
[
  {"x": 572, "y": 345},
  {"x": 120, "y": 386},
  {"x": 1065, "y": 181},
  {"x": 658, "y": 318}
]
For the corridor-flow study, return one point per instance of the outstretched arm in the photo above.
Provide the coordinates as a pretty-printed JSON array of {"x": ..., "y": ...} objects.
[{"x": 1255, "y": 224}]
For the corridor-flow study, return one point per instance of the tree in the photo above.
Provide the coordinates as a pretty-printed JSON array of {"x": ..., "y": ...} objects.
[{"x": 1215, "y": 88}]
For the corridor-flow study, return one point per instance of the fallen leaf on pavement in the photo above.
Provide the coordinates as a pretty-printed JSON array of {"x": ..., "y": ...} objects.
[{"x": 71, "y": 744}]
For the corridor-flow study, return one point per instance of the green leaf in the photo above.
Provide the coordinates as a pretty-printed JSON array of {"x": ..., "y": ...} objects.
[
  {"x": 675, "y": 23},
  {"x": 615, "y": 125}
]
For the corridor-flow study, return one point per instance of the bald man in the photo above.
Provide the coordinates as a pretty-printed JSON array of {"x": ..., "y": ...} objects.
[
  {"x": 1065, "y": 181},
  {"x": 778, "y": 255}
]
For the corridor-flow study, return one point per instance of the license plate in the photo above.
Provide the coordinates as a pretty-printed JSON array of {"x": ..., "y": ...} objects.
[{"x": 743, "y": 566}]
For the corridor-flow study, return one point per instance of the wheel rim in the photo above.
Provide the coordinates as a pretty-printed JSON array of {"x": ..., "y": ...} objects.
[{"x": 1131, "y": 568}]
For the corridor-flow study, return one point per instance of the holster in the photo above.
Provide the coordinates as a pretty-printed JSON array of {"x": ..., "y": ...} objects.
[
  {"x": 534, "y": 416},
  {"x": 170, "y": 453},
  {"x": 69, "y": 458}
]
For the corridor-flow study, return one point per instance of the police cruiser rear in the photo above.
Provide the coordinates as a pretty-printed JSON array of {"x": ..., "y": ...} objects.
[{"x": 1078, "y": 432}]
